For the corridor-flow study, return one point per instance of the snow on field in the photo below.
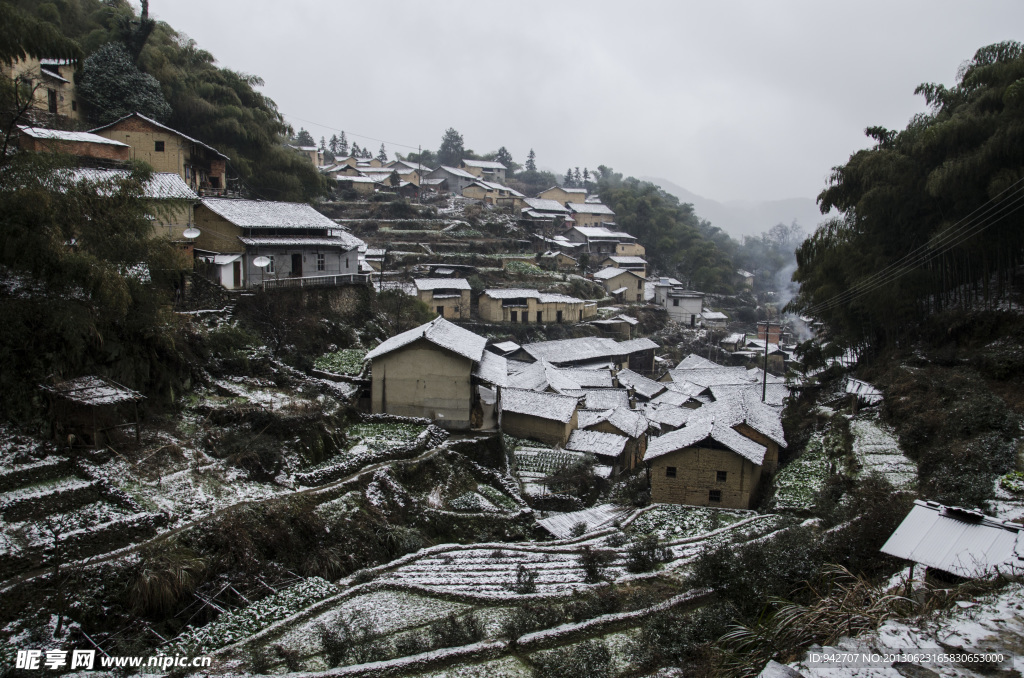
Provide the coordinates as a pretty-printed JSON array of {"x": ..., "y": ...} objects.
[
  {"x": 673, "y": 521},
  {"x": 561, "y": 524},
  {"x": 505, "y": 667},
  {"x": 388, "y": 611},
  {"x": 878, "y": 451},
  {"x": 799, "y": 482}
]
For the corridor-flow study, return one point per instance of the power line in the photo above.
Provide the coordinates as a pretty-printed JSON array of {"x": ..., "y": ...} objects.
[
  {"x": 951, "y": 237},
  {"x": 351, "y": 134}
]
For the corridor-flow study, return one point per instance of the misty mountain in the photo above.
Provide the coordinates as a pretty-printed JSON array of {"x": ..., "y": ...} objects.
[{"x": 740, "y": 218}]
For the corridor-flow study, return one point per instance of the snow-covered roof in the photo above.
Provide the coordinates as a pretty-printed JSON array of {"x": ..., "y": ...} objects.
[
  {"x": 668, "y": 415},
  {"x": 694, "y": 361},
  {"x": 588, "y": 378},
  {"x": 622, "y": 259},
  {"x": 567, "y": 189},
  {"x": 492, "y": 368},
  {"x": 745, "y": 274},
  {"x": 712, "y": 376},
  {"x": 647, "y": 388},
  {"x": 584, "y": 349},
  {"x": 606, "y": 398},
  {"x": 455, "y": 171},
  {"x": 863, "y": 390},
  {"x": 543, "y": 405},
  {"x": 506, "y": 347},
  {"x": 736, "y": 338},
  {"x": 714, "y": 315},
  {"x": 267, "y": 214},
  {"x": 960, "y": 541},
  {"x": 520, "y": 293},
  {"x": 699, "y": 429},
  {"x": 441, "y": 283},
  {"x": 590, "y": 208},
  {"x": 285, "y": 241},
  {"x": 630, "y": 422},
  {"x": 161, "y": 185},
  {"x": 483, "y": 164},
  {"x": 597, "y": 233},
  {"x": 596, "y": 442},
  {"x": 677, "y": 293},
  {"x": 63, "y": 135},
  {"x": 163, "y": 127},
  {"x": 94, "y": 391},
  {"x": 439, "y": 332},
  {"x": 612, "y": 272},
  {"x": 356, "y": 179},
  {"x": 562, "y": 524},
  {"x": 545, "y": 205},
  {"x": 541, "y": 376}
]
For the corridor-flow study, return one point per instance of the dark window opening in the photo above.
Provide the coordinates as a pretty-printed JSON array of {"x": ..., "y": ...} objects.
[
  {"x": 675, "y": 302},
  {"x": 51, "y": 100},
  {"x": 540, "y": 316},
  {"x": 514, "y": 315},
  {"x": 440, "y": 311},
  {"x": 558, "y": 316},
  {"x": 715, "y": 495},
  {"x": 721, "y": 475},
  {"x": 74, "y": 105},
  {"x": 670, "y": 471},
  {"x": 159, "y": 146}
]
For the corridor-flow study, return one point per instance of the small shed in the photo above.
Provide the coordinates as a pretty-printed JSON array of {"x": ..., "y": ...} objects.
[{"x": 90, "y": 407}]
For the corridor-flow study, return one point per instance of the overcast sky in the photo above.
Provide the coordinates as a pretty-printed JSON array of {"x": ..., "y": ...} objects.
[{"x": 739, "y": 100}]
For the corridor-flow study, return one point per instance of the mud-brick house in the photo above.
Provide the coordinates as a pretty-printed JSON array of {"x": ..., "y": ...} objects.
[
  {"x": 621, "y": 421},
  {"x": 547, "y": 417},
  {"x": 438, "y": 371},
  {"x": 79, "y": 144},
  {"x": 304, "y": 247},
  {"x": 52, "y": 85},
  {"x": 203, "y": 167},
  {"x": 591, "y": 214},
  {"x": 450, "y": 297},
  {"x": 608, "y": 448},
  {"x": 620, "y": 282},
  {"x": 631, "y": 263},
  {"x": 487, "y": 170},
  {"x": 531, "y": 306},
  {"x": 457, "y": 179},
  {"x": 564, "y": 195}
]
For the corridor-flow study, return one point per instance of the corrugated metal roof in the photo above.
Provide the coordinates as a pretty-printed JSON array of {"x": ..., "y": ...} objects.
[{"x": 959, "y": 541}]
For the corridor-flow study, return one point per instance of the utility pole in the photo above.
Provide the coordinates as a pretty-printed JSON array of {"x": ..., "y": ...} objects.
[{"x": 764, "y": 379}]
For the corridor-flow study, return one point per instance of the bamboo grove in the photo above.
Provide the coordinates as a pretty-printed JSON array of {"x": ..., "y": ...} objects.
[{"x": 931, "y": 217}]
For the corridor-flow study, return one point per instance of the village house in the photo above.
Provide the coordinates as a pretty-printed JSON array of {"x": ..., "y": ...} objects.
[
  {"x": 629, "y": 263},
  {"x": 630, "y": 249},
  {"x": 457, "y": 179},
  {"x": 714, "y": 320},
  {"x": 547, "y": 417},
  {"x": 744, "y": 279},
  {"x": 312, "y": 153},
  {"x": 621, "y": 326},
  {"x": 421, "y": 169},
  {"x": 202, "y": 167},
  {"x": 622, "y": 283},
  {"x": 358, "y": 183},
  {"x": 545, "y": 215},
  {"x": 52, "y": 85},
  {"x": 683, "y": 305},
  {"x": 558, "y": 261},
  {"x": 590, "y": 214},
  {"x": 488, "y": 170},
  {"x": 625, "y": 422},
  {"x": 734, "y": 342},
  {"x": 494, "y": 194},
  {"x": 438, "y": 371},
  {"x": 80, "y": 144},
  {"x": 608, "y": 448},
  {"x": 635, "y": 354},
  {"x": 705, "y": 463},
  {"x": 772, "y": 329},
  {"x": 303, "y": 246},
  {"x": 598, "y": 240},
  {"x": 531, "y": 306},
  {"x": 563, "y": 195},
  {"x": 449, "y": 297}
]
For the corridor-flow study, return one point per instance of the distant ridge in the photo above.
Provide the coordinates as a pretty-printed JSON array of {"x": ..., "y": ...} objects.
[{"x": 739, "y": 218}]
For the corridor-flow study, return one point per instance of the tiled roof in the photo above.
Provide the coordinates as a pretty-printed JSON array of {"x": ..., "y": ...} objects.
[
  {"x": 63, "y": 135},
  {"x": 542, "y": 297},
  {"x": 694, "y": 361},
  {"x": 507, "y": 346},
  {"x": 567, "y": 189},
  {"x": 700, "y": 429},
  {"x": 544, "y": 405},
  {"x": 588, "y": 378},
  {"x": 562, "y": 351},
  {"x": 648, "y": 388},
  {"x": 637, "y": 345},
  {"x": 545, "y": 205},
  {"x": 621, "y": 259},
  {"x": 163, "y": 127},
  {"x": 590, "y": 208},
  {"x": 597, "y": 442},
  {"x": 492, "y": 368},
  {"x": 483, "y": 164},
  {"x": 441, "y": 333},
  {"x": 668, "y": 415},
  {"x": 441, "y": 283},
  {"x": 541, "y": 376},
  {"x": 284, "y": 241},
  {"x": 455, "y": 171},
  {"x": 713, "y": 376},
  {"x": 606, "y": 398},
  {"x": 630, "y": 422},
  {"x": 612, "y": 272},
  {"x": 161, "y": 185}
]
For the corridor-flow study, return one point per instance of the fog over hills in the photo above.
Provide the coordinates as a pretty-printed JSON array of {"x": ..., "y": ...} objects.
[{"x": 740, "y": 218}]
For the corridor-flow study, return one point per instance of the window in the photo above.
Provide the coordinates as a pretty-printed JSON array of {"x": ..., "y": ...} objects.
[
  {"x": 670, "y": 471},
  {"x": 74, "y": 105},
  {"x": 639, "y": 284},
  {"x": 514, "y": 315},
  {"x": 675, "y": 302},
  {"x": 51, "y": 100},
  {"x": 159, "y": 147},
  {"x": 715, "y": 495},
  {"x": 321, "y": 262},
  {"x": 721, "y": 475},
  {"x": 440, "y": 311},
  {"x": 558, "y": 316},
  {"x": 270, "y": 266},
  {"x": 540, "y": 316}
]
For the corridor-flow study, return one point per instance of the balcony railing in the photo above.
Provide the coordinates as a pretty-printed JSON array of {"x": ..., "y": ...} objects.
[{"x": 316, "y": 281}]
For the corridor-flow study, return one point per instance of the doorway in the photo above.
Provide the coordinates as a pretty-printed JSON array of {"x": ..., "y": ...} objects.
[{"x": 296, "y": 265}]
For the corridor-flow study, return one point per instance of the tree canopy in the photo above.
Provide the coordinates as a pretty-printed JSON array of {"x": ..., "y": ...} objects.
[
  {"x": 113, "y": 87},
  {"x": 452, "y": 150},
  {"x": 927, "y": 214}
]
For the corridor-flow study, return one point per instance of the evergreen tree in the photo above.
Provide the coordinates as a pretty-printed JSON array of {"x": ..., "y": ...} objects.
[
  {"x": 113, "y": 86},
  {"x": 452, "y": 150},
  {"x": 333, "y": 144},
  {"x": 382, "y": 155},
  {"x": 367, "y": 154},
  {"x": 568, "y": 181},
  {"x": 343, "y": 144},
  {"x": 356, "y": 151},
  {"x": 586, "y": 178},
  {"x": 577, "y": 178},
  {"x": 323, "y": 145},
  {"x": 304, "y": 138},
  {"x": 531, "y": 162},
  {"x": 504, "y": 157}
]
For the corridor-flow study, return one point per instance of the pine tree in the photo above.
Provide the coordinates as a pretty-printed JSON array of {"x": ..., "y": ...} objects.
[
  {"x": 343, "y": 144},
  {"x": 531, "y": 162},
  {"x": 356, "y": 151},
  {"x": 578, "y": 178},
  {"x": 504, "y": 157},
  {"x": 586, "y": 177},
  {"x": 568, "y": 181},
  {"x": 382, "y": 155},
  {"x": 367, "y": 154},
  {"x": 304, "y": 138},
  {"x": 323, "y": 145},
  {"x": 452, "y": 149},
  {"x": 333, "y": 144}
]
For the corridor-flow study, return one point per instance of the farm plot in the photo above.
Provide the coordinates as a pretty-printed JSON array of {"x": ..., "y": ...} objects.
[
  {"x": 535, "y": 464},
  {"x": 348, "y": 361},
  {"x": 797, "y": 485},
  {"x": 878, "y": 451},
  {"x": 672, "y": 521}
]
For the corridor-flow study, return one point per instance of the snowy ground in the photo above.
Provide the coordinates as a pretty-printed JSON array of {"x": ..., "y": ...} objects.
[{"x": 878, "y": 451}]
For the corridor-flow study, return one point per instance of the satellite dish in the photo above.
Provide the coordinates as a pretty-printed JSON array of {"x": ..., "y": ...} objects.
[
  {"x": 191, "y": 232},
  {"x": 261, "y": 262}
]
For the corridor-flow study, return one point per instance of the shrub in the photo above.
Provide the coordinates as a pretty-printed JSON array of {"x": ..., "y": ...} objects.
[
  {"x": 526, "y": 580},
  {"x": 589, "y": 659},
  {"x": 644, "y": 553},
  {"x": 411, "y": 643},
  {"x": 349, "y": 640},
  {"x": 578, "y": 530},
  {"x": 454, "y": 631},
  {"x": 594, "y": 563}
]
